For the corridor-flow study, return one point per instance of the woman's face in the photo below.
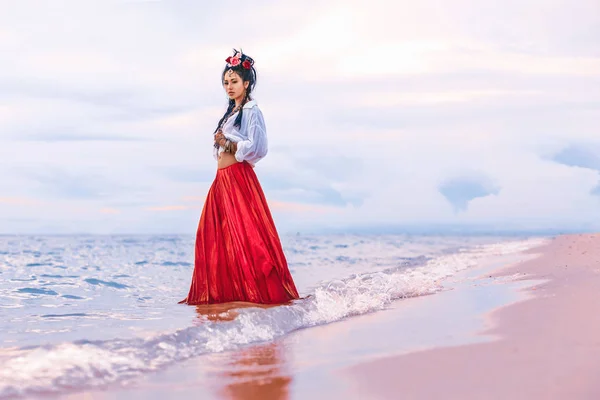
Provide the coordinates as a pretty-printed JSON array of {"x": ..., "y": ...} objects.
[{"x": 234, "y": 85}]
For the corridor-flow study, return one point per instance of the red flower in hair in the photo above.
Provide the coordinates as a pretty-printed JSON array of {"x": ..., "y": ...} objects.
[
  {"x": 235, "y": 61},
  {"x": 246, "y": 64},
  {"x": 228, "y": 60}
]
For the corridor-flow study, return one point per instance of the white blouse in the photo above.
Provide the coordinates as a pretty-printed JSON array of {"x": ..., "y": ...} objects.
[{"x": 251, "y": 137}]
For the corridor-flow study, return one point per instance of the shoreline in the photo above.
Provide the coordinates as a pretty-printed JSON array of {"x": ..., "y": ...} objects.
[
  {"x": 547, "y": 346},
  {"x": 312, "y": 363}
]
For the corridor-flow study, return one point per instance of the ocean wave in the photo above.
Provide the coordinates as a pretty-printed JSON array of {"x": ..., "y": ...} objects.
[{"x": 89, "y": 364}]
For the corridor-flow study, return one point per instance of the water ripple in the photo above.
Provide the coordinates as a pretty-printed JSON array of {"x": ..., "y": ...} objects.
[
  {"x": 37, "y": 291},
  {"x": 116, "y": 285}
]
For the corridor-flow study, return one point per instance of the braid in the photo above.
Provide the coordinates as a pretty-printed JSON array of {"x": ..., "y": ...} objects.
[
  {"x": 238, "y": 119},
  {"x": 229, "y": 108}
]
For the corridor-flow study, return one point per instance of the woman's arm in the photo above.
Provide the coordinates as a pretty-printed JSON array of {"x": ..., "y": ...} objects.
[{"x": 256, "y": 146}]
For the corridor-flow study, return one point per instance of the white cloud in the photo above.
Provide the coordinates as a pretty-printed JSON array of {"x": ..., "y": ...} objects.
[{"x": 107, "y": 110}]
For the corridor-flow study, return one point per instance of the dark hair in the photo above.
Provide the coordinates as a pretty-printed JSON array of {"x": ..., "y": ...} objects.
[{"x": 247, "y": 75}]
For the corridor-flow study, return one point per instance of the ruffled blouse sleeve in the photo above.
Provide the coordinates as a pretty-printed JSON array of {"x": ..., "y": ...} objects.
[{"x": 256, "y": 146}]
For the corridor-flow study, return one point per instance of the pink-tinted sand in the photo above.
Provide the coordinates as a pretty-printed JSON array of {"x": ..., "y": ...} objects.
[{"x": 548, "y": 346}]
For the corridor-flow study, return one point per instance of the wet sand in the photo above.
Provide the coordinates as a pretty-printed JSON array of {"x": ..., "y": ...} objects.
[{"x": 547, "y": 347}]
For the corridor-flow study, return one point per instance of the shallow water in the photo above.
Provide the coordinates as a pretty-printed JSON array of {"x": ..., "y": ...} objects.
[{"x": 84, "y": 311}]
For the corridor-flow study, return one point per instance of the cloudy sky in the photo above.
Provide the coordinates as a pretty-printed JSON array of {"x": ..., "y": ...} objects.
[{"x": 471, "y": 113}]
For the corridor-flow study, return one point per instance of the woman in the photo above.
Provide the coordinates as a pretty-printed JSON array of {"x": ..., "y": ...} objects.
[{"x": 238, "y": 252}]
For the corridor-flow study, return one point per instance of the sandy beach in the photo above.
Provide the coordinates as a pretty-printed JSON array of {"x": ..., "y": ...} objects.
[
  {"x": 548, "y": 347},
  {"x": 524, "y": 327}
]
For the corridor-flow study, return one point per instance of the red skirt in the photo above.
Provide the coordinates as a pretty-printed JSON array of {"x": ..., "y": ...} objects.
[{"x": 238, "y": 255}]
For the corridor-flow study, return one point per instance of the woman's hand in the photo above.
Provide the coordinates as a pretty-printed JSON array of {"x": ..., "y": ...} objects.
[{"x": 220, "y": 138}]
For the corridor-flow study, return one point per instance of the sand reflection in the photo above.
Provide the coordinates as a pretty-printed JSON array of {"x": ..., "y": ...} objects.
[
  {"x": 254, "y": 373},
  {"x": 257, "y": 372}
]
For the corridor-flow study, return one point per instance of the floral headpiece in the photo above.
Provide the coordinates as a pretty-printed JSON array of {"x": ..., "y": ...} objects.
[{"x": 239, "y": 57}]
